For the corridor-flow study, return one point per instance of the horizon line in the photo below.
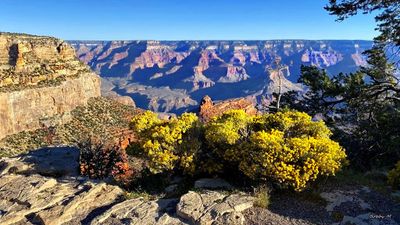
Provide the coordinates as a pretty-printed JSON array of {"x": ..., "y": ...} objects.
[{"x": 177, "y": 40}]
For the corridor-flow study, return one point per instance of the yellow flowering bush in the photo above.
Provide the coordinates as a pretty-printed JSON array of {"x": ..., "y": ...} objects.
[
  {"x": 394, "y": 176},
  {"x": 286, "y": 147},
  {"x": 167, "y": 144},
  {"x": 226, "y": 133}
]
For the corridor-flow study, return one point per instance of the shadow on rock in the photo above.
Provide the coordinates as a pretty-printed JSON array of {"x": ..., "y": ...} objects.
[{"x": 50, "y": 161}]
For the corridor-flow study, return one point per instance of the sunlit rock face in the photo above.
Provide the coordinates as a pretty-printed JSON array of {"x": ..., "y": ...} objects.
[
  {"x": 220, "y": 69},
  {"x": 40, "y": 79},
  {"x": 208, "y": 109}
]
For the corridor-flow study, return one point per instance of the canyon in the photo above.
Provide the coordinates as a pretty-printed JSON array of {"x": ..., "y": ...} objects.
[
  {"x": 44, "y": 85},
  {"x": 174, "y": 76}
]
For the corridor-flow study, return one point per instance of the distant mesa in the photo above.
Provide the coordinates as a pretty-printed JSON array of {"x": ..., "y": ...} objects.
[
  {"x": 173, "y": 76},
  {"x": 31, "y": 61}
]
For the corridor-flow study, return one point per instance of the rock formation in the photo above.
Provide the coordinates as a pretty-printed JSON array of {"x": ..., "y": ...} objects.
[
  {"x": 234, "y": 74},
  {"x": 222, "y": 69},
  {"x": 40, "y": 79},
  {"x": 324, "y": 58},
  {"x": 157, "y": 54},
  {"x": 101, "y": 118},
  {"x": 44, "y": 187},
  {"x": 209, "y": 110},
  {"x": 212, "y": 207},
  {"x": 161, "y": 99}
]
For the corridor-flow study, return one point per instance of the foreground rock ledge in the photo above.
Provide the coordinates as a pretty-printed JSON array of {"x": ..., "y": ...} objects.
[
  {"x": 32, "y": 194},
  {"x": 213, "y": 207},
  {"x": 44, "y": 187}
]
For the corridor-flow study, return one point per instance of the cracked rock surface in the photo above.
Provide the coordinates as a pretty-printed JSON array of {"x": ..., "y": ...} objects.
[
  {"x": 32, "y": 194},
  {"x": 213, "y": 207},
  {"x": 44, "y": 187}
]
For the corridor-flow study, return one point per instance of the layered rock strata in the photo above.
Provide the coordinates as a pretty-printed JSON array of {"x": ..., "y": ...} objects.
[
  {"x": 40, "y": 79},
  {"x": 209, "y": 110}
]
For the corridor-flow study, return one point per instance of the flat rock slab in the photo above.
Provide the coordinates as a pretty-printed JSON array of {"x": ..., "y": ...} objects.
[
  {"x": 138, "y": 211},
  {"x": 44, "y": 187},
  {"x": 212, "y": 208},
  {"x": 53, "y": 162},
  {"x": 46, "y": 200},
  {"x": 356, "y": 208}
]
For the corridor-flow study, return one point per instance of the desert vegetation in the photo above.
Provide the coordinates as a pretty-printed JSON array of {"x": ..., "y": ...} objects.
[
  {"x": 100, "y": 160},
  {"x": 101, "y": 118},
  {"x": 287, "y": 149},
  {"x": 362, "y": 108}
]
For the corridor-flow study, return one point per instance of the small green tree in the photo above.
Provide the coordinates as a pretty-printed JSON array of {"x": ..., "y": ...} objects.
[
  {"x": 388, "y": 19},
  {"x": 394, "y": 176}
]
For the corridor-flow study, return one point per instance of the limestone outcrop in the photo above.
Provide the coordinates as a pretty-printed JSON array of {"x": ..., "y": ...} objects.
[
  {"x": 212, "y": 207},
  {"x": 44, "y": 187},
  {"x": 234, "y": 74},
  {"x": 40, "y": 79},
  {"x": 157, "y": 54}
]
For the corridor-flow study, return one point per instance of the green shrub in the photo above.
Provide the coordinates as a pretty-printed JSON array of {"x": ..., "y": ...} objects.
[
  {"x": 394, "y": 177},
  {"x": 261, "y": 195}
]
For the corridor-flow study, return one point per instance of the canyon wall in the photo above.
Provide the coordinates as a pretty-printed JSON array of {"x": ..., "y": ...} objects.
[
  {"x": 174, "y": 76},
  {"x": 41, "y": 81}
]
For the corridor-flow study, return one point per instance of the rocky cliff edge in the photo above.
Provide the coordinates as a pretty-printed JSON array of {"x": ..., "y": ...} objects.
[{"x": 41, "y": 80}]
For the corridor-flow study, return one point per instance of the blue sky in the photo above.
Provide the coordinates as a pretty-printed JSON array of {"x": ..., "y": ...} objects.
[{"x": 180, "y": 20}]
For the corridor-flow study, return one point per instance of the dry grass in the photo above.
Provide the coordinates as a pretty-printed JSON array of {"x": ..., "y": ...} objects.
[{"x": 262, "y": 198}]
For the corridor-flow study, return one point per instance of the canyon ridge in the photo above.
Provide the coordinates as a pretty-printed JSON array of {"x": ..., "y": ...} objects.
[
  {"x": 41, "y": 81},
  {"x": 174, "y": 76}
]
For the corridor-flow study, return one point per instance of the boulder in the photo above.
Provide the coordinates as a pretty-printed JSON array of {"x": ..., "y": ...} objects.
[
  {"x": 190, "y": 207},
  {"x": 210, "y": 208}
]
